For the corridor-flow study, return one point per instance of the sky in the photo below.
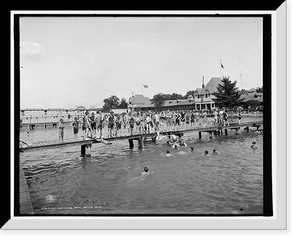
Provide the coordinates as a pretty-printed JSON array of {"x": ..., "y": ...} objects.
[{"x": 71, "y": 61}]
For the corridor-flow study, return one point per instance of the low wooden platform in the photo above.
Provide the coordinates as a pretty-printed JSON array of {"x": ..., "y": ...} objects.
[{"x": 178, "y": 132}]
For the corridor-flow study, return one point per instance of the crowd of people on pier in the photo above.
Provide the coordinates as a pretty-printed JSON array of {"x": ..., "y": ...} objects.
[{"x": 139, "y": 122}]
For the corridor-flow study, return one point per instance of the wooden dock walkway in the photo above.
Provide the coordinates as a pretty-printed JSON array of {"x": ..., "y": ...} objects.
[
  {"x": 25, "y": 199},
  {"x": 140, "y": 137}
]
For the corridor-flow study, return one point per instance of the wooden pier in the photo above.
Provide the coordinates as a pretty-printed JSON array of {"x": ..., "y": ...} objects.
[
  {"x": 25, "y": 199},
  {"x": 211, "y": 130}
]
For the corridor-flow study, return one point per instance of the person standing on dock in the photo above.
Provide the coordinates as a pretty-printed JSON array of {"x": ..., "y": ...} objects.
[
  {"x": 86, "y": 125},
  {"x": 61, "y": 127},
  {"x": 99, "y": 124},
  {"x": 111, "y": 122},
  {"x": 131, "y": 123},
  {"x": 118, "y": 124},
  {"x": 75, "y": 125},
  {"x": 240, "y": 116}
]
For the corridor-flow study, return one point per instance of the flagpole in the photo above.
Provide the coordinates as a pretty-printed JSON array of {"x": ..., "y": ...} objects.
[{"x": 220, "y": 69}]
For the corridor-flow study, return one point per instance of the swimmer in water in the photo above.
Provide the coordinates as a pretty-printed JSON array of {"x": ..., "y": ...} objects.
[
  {"x": 215, "y": 152},
  {"x": 206, "y": 153},
  {"x": 182, "y": 143},
  {"x": 146, "y": 171},
  {"x": 142, "y": 176},
  {"x": 168, "y": 154},
  {"x": 174, "y": 146},
  {"x": 192, "y": 148},
  {"x": 253, "y": 146}
]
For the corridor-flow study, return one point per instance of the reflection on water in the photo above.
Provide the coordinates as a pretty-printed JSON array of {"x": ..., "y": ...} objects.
[{"x": 110, "y": 182}]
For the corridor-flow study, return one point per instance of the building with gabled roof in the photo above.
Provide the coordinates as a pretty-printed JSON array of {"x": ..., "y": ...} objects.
[
  {"x": 204, "y": 96},
  {"x": 202, "y": 99},
  {"x": 139, "y": 101}
]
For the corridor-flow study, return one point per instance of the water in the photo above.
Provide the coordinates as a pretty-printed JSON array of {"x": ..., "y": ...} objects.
[{"x": 110, "y": 181}]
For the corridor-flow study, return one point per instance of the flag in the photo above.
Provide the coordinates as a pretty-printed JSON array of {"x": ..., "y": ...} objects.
[
  {"x": 145, "y": 86},
  {"x": 222, "y": 65}
]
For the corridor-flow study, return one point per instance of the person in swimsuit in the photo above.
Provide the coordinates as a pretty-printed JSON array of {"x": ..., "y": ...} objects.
[
  {"x": 98, "y": 122},
  {"x": 168, "y": 154},
  {"x": 111, "y": 121},
  {"x": 205, "y": 153},
  {"x": 138, "y": 124},
  {"x": 253, "y": 146},
  {"x": 118, "y": 123},
  {"x": 75, "y": 125},
  {"x": 61, "y": 127},
  {"x": 240, "y": 117},
  {"x": 146, "y": 171},
  {"x": 148, "y": 123},
  {"x": 131, "y": 124},
  {"x": 215, "y": 152}
]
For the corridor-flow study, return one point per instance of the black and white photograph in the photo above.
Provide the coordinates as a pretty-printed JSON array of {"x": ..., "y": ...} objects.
[{"x": 126, "y": 115}]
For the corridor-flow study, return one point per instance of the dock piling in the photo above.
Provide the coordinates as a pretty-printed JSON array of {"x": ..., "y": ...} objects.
[
  {"x": 82, "y": 150},
  {"x": 131, "y": 145},
  {"x": 140, "y": 143}
]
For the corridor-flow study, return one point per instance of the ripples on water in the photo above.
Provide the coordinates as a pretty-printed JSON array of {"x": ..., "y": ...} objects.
[{"x": 110, "y": 181}]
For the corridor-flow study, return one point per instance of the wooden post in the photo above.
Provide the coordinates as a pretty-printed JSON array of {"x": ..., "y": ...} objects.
[
  {"x": 82, "y": 150},
  {"x": 131, "y": 145},
  {"x": 200, "y": 136},
  {"x": 140, "y": 143}
]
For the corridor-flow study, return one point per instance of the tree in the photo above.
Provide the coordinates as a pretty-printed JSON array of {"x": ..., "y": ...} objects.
[
  {"x": 158, "y": 101},
  {"x": 175, "y": 96},
  {"x": 259, "y": 89},
  {"x": 251, "y": 104},
  {"x": 227, "y": 94},
  {"x": 190, "y": 92},
  {"x": 112, "y": 102},
  {"x": 123, "y": 104}
]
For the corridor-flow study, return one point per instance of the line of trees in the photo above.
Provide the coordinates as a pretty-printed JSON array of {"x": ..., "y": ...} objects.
[{"x": 113, "y": 102}]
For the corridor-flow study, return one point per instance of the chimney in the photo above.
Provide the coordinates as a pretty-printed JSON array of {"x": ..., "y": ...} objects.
[
  {"x": 132, "y": 94},
  {"x": 202, "y": 82}
]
